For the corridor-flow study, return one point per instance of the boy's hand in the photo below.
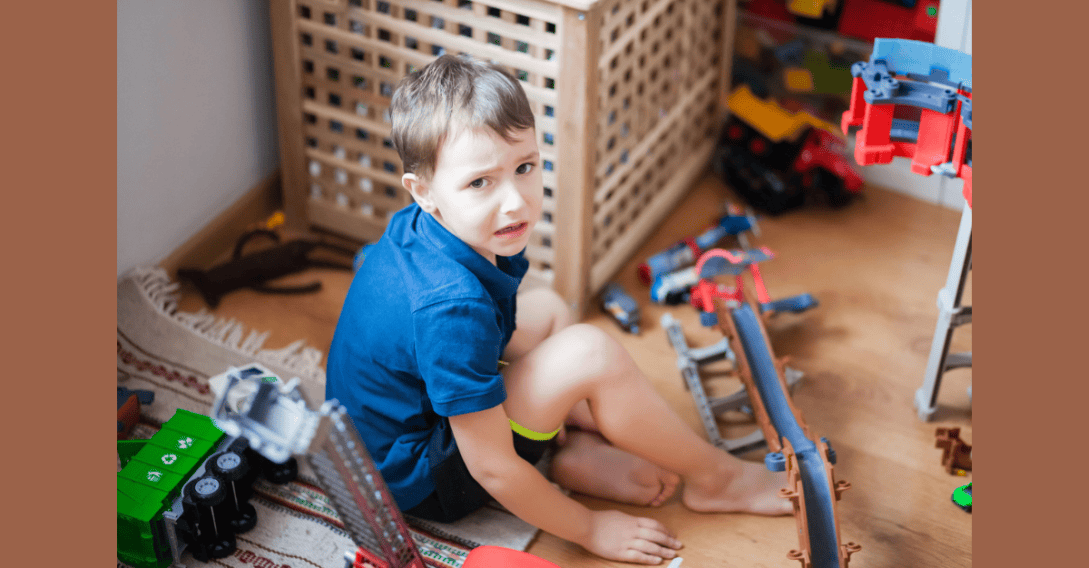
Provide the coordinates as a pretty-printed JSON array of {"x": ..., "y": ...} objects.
[{"x": 619, "y": 536}]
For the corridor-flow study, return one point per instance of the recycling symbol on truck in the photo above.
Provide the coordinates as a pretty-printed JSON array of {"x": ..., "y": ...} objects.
[{"x": 169, "y": 459}]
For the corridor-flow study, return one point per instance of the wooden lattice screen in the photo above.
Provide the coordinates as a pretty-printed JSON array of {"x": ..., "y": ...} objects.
[{"x": 625, "y": 93}]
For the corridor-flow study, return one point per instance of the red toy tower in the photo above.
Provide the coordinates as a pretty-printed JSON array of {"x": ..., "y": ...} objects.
[{"x": 906, "y": 78}]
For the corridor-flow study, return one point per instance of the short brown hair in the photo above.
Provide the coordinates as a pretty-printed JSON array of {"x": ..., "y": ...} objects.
[{"x": 453, "y": 91}]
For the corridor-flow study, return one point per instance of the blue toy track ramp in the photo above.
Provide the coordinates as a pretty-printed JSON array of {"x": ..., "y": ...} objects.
[{"x": 816, "y": 503}]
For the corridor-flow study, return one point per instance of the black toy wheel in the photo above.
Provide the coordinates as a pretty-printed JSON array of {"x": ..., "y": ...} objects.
[
  {"x": 824, "y": 185},
  {"x": 833, "y": 187},
  {"x": 232, "y": 468},
  {"x": 777, "y": 195}
]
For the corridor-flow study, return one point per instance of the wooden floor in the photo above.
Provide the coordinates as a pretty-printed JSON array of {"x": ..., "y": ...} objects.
[{"x": 875, "y": 267}]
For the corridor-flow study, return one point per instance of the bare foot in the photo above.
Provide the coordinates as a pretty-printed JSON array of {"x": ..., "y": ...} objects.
[
  {"x": 737, "y": 486},
  {"x": 587, "y": 463}
]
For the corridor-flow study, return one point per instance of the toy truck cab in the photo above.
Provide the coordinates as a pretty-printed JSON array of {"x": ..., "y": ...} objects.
[
  {"x": 824, "y": 162},
  {"x": 774, "y": 157}
]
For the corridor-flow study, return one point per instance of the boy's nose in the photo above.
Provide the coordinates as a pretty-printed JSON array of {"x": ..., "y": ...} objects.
[{"x": 513, "y": 200}]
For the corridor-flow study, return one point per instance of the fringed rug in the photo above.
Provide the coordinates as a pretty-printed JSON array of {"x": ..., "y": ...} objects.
[{"x": 174, "y": 354}]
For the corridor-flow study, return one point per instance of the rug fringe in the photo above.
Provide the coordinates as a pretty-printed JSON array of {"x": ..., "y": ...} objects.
[{"x": 227, "y": 332}]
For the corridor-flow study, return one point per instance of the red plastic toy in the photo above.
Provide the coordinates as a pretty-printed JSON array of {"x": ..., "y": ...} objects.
[
  {"x": 499, "y": 557},
  {"x": 941, "y": 140},
  {"x": 870, "y": 19}
]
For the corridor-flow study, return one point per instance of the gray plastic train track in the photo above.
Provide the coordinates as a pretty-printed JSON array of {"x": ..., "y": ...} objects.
[{"x": 689, "y": 360}]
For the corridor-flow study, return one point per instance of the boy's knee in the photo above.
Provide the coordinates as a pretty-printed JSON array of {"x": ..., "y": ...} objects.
[{"x": 591, "y": 347}]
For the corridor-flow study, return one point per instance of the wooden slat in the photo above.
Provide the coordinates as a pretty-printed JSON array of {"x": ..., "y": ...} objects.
[
  {"x": 287, "y": 69},
  {"x": 680, "y": 183},
  {"x": 460, "y": 43},
  {"x": 540, "y": 254},
  {"x": 577, "y": 124},
  {"x": 376, "y": 127},
  {"x": 378, "y": 175},
  {"x": 495, "y": 25},
  {"x": 641, "y": 23},
  {"x": 534, "y": 9},
  {"x": 652, "y": 137},
  {"x": 356, "y": 40},
  {"x": 346, "y": 221},
  {"x": 679, "y": 133},
  {"x": 729, "y": 33}
]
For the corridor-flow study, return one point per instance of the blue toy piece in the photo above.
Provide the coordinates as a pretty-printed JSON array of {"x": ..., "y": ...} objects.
[
  {"x": 144, "y": 396},
  {"x": 817, "y": 493},
  {"x": 883, "y": 88},
  {"x": 922, "y": 59},
  {"x": 794, "y": 304},
  {"x": 685, "y": 252},
  {"x": 966, "y": 111},
  {"x": 621, "y": 306},
  {"x": 906, "y": 130},
  {"x": 673, "y": 287}
]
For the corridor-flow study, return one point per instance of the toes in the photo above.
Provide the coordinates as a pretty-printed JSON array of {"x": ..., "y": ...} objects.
[
  {"x": 661, "y": 493},
  {"x": 669, "y": 482}
]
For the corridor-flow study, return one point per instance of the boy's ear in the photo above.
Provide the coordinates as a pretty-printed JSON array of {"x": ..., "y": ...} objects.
[{"x": 420, "y": 191}]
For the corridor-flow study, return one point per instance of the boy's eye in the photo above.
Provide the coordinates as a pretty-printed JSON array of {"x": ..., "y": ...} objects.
[
  {"x": 525, "y": 168},
  {"x": 478, "y": 183}
]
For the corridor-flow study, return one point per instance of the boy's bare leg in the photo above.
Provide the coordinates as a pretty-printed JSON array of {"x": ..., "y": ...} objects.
[
  {"x": 588, "y": 464},
  {"x": 541, "y": 313},
  {"x": 581, "y": 362}
]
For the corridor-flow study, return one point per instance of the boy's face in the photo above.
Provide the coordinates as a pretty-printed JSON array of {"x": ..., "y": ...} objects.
[{"x": 485, "y": 190}]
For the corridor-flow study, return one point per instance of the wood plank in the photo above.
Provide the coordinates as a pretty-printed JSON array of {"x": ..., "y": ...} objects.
[
  {"x": 287, "y": 72},
  {"x": 575, "y": 178},
  {"x": 341, "y": 220}
]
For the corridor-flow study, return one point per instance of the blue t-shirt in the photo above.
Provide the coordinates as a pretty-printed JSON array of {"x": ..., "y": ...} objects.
[{"x": 419, "y": 338}]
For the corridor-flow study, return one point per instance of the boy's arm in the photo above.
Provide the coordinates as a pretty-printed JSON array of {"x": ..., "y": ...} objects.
[{"x": 487, "y": 446}]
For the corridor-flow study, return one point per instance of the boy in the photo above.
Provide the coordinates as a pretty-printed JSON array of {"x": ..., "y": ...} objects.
[{"x": 457, "y": 395}]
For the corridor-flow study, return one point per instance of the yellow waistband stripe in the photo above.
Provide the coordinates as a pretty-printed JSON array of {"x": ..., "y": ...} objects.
[{"x": 532, "y": 435}]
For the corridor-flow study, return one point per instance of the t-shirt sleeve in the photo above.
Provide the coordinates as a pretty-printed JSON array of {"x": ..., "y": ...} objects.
[{"x": 457, "y": 350}]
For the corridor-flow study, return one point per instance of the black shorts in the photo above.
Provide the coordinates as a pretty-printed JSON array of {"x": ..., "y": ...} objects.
[{"x": 456, "y": 493}]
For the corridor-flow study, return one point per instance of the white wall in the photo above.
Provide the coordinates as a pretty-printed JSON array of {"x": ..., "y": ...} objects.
[
  {"x": 196, "y": 121},
  {"x": 954, "y": 31}
]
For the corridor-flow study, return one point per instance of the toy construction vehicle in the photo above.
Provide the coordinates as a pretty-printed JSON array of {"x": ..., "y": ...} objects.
[{"x": 775, "y": 159}]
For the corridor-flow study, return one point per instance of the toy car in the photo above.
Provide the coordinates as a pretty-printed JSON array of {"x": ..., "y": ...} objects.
[{"x": 618, "y": 304}]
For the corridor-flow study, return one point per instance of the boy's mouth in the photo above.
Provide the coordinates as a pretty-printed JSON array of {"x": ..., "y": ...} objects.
[{"x": 513, "y": 230}]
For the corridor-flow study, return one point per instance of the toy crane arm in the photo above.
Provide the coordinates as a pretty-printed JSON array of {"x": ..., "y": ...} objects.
[{"x": 276, "y": 421}]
